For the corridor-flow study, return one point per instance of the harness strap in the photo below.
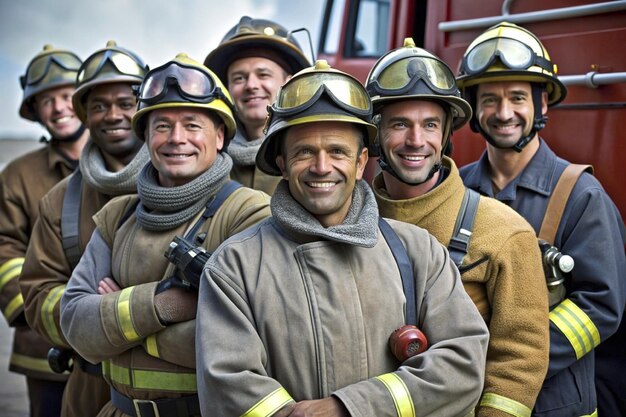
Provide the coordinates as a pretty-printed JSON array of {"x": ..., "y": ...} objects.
[
  {"x": 401, "y": 256},
  {"x": 70, "y": 218},
  {"x": 463, "y": 228},
  {"x": 558, "y": 200},
  {"x": 213, "y": 205}
]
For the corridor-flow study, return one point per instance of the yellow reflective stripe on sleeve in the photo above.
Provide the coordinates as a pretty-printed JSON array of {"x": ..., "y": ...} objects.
[
  {"x": 16, "y": 303},
  {"x": 9, "y": 270},
  {"x": 34, "y": 364},
  {"x": 47, "y": 314},
  {"x": 154, "y": 380},
  {"x": 505, "y": 404},
  {"x": 576, "y": 326},
  {"x": 400, "y": 394},
  {"x": 123, "y": 314},
  {"x": 594, "y": 414},
  {"x": 151, "y": 346},
  {"x": 270, "y": 404}
]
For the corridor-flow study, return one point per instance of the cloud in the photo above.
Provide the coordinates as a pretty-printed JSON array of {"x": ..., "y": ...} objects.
[{"x": 156, "y": 30}]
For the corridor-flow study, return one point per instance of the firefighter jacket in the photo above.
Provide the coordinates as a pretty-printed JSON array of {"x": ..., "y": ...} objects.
[
  {"x": 290, "y": 311},
  {"x": 591, "y": 232},
  {"x": 243, "y": 152},
  {"x": 503, "y": 274},
  {"x": 141, "y": 358},
  {"x": 43, "y": 281},
  {"x": 22, "y": 184},
  {"x": 252, "y": 177}
]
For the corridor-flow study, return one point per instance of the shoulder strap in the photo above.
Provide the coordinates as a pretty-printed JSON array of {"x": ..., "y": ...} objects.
[
  {"x": 70, "y": 218},
  {"x": 463, "y": 228},
  {"x": 558, "y": 199},
  {"x": 214, "y": 204},
  {"x": 406, "y": 270}
]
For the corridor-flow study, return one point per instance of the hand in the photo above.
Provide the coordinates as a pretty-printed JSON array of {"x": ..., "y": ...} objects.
[
  {"x": 326, "y": 407},
  {"x": 108, "y": 286},
  {"x": 176, "y": 305}
]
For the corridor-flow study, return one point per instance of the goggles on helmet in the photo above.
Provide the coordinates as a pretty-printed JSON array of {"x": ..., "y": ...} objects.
[
  {"x": 512, "y": 53},
  {"x": 40, "y": 66},
  {"x": 401, "y": 76},
  {"x": 122, "y": 62},
  {"x": 188, "y": 83},
  {"x": 300, "y": 93}
]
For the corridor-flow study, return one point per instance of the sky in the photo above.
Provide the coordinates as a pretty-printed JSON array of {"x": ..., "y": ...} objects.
[{"x": 156, "y": 30}]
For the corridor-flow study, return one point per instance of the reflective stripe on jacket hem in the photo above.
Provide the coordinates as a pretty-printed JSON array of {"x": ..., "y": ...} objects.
[
  {"x": 505, "y": 404},
  {"x": 400, "y": 394},
  {"x": 270, "y": 404},
  {"x": 47, "y": 314}
]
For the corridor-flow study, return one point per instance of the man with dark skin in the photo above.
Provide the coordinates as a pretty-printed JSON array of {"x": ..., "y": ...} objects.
[{"x": 105, "y": 102}]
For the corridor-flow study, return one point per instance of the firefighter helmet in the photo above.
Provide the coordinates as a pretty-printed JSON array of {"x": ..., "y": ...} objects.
[
  {"x": 508, "y": 52},
  {"x": 50, "y": 68},
  {"x": 111, "y": 64},
  {"x": 315, "y": 94},
  {"x": 257, "y": 37},
  {"x": 410, "y": 72},
  {"x": 183, "y": 82}
]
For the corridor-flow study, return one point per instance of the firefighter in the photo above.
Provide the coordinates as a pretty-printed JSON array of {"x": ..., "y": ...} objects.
[
  {"x": 48, "y": 85},
  {"x": 254, "y": 59},
  {"x": 108, "y": 167},
  {"x": 305, "y": 302},
  {"x": 418, "y": 105},
  {"x": 507, "y": 76},
  {"x": 126, "y": 303}
]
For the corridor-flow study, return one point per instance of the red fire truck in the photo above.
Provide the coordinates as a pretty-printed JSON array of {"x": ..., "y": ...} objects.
[{"x": 585, "y": 38}]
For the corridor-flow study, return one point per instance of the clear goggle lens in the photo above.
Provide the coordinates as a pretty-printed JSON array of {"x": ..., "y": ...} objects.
[
  {"x": 512, "y": 53},
  {"x": 40, "y": 66},
  {"x": 300, "y": 91},
  {"x": 123, "y": 63},
  {"x": 193, "y": 82},
  {"x": 405, "y": 72}
]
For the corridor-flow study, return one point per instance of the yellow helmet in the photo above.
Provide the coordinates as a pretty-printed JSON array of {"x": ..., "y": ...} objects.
[
  {"x": 507, "y": 52},
  {"x": 50, "y": 68},
  {"x": 111, "y": 64},
  {"x": 184, "y": 82},
  {"x": 316, "y": 94},
  {"x": 257, "y": 37}
]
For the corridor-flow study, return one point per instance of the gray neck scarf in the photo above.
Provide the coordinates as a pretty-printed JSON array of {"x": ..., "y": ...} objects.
[
  {"x": 360, "y": 227},
  {"x": 244, "y": 151},
  {"x": 164, "y": 208},
  {"x": 95, "y": 173}
]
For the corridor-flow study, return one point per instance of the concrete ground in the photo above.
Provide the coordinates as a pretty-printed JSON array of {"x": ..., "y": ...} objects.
[{"x": 13, "y": 393}]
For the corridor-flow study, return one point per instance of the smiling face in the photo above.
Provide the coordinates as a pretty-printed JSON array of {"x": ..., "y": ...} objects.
[
  {"x": 56, "y": 112},
  {"x": 183, "y": 143},
  {"x": 322, "y": 162},
  {"x": 505, "y": 110},
  {"x": 253, "y": 84},
  {"x": 411, "y": 134},
  {"x": 110, "y": 109}
]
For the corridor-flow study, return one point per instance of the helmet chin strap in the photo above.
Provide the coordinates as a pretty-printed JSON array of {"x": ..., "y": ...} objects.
[
  {"x": 539, "y": 122},
  {"x": 71, "y": 138}
]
